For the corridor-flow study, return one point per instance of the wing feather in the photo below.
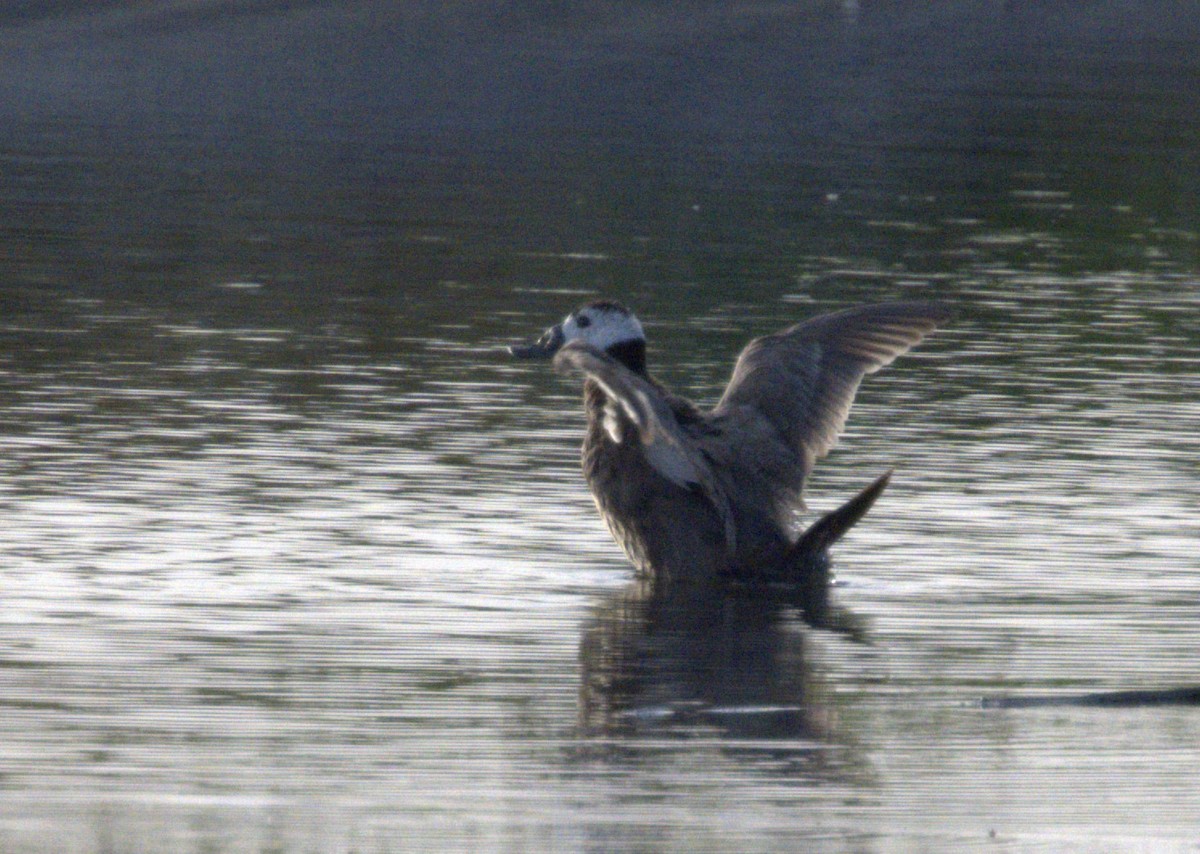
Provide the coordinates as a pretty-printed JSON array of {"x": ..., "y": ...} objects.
[
  {"x": 667, "y": 447},
  {"x": 803, "y": 380}
]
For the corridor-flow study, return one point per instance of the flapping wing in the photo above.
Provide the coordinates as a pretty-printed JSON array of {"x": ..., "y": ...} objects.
[
  {"x": 803, "y": 380},
  {"x": 668, "y": 449}
]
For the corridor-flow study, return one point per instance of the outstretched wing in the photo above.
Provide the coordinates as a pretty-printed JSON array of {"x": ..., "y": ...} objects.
[
  {"x": 667, "y": 448},
  {"x": 803, "y": 379}
]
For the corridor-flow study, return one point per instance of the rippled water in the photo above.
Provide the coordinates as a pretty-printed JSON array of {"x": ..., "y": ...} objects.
[{"x": 294, "y": 558}]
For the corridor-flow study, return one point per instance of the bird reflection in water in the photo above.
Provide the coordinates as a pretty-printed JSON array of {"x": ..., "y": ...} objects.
[{"x": 710, "y": 657}]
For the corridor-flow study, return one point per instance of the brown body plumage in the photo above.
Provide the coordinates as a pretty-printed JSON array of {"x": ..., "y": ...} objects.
[{"x": 688, "y": 493}]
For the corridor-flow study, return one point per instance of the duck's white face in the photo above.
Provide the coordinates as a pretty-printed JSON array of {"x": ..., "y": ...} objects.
[{"x": 602, "y": 325}]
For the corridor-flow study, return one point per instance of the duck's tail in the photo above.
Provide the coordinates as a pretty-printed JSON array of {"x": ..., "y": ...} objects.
[
  {"x": 809, "y": 565},
  {"x": 829, "y": 528}
]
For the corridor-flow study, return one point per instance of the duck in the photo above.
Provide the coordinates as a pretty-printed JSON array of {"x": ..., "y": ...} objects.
[{"x": 690, "y": 493}]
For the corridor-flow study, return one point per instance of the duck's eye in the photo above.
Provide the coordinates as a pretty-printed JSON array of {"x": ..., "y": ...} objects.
[{"x": 583, "y": 321}]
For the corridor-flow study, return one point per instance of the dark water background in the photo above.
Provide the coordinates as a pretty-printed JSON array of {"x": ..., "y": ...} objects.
[{"x": 294, "y": 559}]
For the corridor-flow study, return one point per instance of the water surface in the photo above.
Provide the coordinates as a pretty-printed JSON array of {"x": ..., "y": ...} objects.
[{"x": 295, "y": 559}]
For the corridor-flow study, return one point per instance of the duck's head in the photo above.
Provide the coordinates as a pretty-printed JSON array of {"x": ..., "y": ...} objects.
[{"x": 605, "y": 325}]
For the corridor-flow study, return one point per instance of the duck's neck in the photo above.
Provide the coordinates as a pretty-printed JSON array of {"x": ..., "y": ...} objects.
[{"x": 631, "y": 354}]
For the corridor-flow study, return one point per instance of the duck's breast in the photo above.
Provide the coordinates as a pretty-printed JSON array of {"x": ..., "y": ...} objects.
[{"x": 665, "y": 529}]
